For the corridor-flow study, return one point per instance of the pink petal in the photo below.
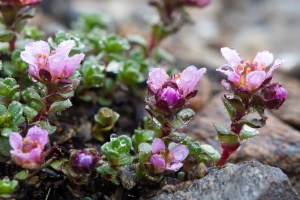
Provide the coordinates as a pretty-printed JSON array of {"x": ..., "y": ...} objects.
[
  {"x": 158, "y": 145},
  {"x": 57, "y": 63},
  {"x": 15, "y": 140},
  {"x": 38, "y": 134},
  {"x": 174, "y": 167},
  {"x": 29, "y": 58},
  {"x": 38, "y": 47},
  {"x": 65, "y": 47},
  {"x": 72, "y": 64},
  {"x": 264, "y": 57},
  {"x": 225, "y": 69},
  {"x": 231, "y": 55},
  {"x": 33, "y": 71},
  {"x": 235, "y": 78},
  {"x": 179, "y": 153},
  {"x": 157, "y": 161},
  {"x": 255, "y": 78},
  {"x": 189, "y": 78},
  {"x": 157, "y": 77},
  {"x": 277, "y": 63}
]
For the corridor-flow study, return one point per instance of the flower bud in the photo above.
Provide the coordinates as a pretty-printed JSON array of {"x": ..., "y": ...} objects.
[{"x": 274, "y": 95}]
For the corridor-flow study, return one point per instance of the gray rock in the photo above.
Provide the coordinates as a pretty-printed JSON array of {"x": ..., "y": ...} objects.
[{"x": 247, "y": 180}]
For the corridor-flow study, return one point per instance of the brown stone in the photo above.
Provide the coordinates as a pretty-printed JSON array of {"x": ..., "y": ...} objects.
[{"x": 277, "y": 145}]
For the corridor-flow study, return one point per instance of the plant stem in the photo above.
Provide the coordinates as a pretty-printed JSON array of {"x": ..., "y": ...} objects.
[{"x": 12, "y": 44}]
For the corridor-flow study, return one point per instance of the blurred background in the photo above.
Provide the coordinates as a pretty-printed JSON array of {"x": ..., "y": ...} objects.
[{"x": 248, "y": 26}]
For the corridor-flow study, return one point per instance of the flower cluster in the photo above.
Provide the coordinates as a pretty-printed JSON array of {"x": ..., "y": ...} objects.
[
  {"x": 249, "y": 89},
  {"x": 51, "y": 67},
  {"x": 163, "y": 159},
  {"x": 27, "y": 152},
  {"x": 170, "y": 94}
]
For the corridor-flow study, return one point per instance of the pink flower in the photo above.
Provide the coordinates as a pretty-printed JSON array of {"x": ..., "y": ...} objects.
[
  {"x": 196, "y": 3},
  {"x": 47, "y": 67},
  {"x": 171, "y": 161},
  {"x": 27, "y": 151},
  {"x": 246, "y": 74},
  {"x": 273, "y": 95},
  {"x": 171, "y": 94},
  {"x": 21, "y": 2}
]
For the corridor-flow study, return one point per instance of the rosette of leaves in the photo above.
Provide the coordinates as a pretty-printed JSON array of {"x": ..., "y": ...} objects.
[
  {"x": 7, "y": 187},
  {"x": 92, "y": 73},
  {"x": 117, "y": 150},
  {"x": 88, "y": 21},
  {"x": 117, "y": 154},
  {"x": 105, "y": 120},
  {"x": 61, "y": 36},
  {"x": 11, "y": 117},
  {"x": 9, "y": 91},
  {"x": 113, "y": 47}
]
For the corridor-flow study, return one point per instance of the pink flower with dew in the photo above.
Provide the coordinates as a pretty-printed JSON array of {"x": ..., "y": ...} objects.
[
  {"x": 27, "y": 151},
  {"x": 246, "y": 74},
  {"x": 57, "y": 63},
  {"x": 170, "y": 161}
]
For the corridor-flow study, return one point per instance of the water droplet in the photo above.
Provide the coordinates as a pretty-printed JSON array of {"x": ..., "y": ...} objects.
[
  {"x": 58, "y": 113},
  {"x": 122, "y": 143},
  {"x": 113, "y": 137},
  {"x": 32, "y": 79}
]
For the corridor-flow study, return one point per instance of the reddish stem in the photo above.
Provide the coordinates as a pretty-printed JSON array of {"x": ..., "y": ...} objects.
[{"x": 12, "y": 44}]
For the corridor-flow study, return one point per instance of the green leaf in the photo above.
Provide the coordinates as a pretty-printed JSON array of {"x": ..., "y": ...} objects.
[
  {"x": 30, "y": 113},
  {"x": 7, "y": 187},
  {"x": 58, "y": 163},
  {"x": 234, "y": 105},
  {"x": 46, "y": 126},
  {"x": 254, "y": 123},
  {"x": 22, "y": 175},
  {"x": 142, "y": 136},
  {"x": 225, "y": 135},
  {"x": 4, "y": 146},
  {"x": 16, "y": 110},
  {"x": 6, "y": 35},
  {"x": 144, "y": 147},
  {"x": 59, "y": 106},
  {"x": 248, "y": 132}
]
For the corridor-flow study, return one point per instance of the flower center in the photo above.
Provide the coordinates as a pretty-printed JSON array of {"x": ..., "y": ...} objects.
[
  {"x": 170, "y": 95},
  {"x": 29, "y": 145},
  {"x": 42, "y": 60}
]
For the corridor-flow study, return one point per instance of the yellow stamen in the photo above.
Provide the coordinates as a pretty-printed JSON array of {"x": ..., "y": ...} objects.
[
  {"x": 248, "y": 70},
  {"x": 169, "y": 157},
  {"x": 40, "y": 55}
]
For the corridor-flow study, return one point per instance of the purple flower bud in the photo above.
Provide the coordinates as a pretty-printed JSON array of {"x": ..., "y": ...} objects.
[
  {"x": 85, "y": 159},
  {"x": 170, "y": 95},
  {"x": 274, "y": 95},
  {"x": 50, "y": 67},
  {"x": 27, "y": 151}
]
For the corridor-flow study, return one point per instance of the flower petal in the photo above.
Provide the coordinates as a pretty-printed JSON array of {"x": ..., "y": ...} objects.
[
  {"x": 38, "y": 134},
  {"x": 179, "y": 153},
  {"x": 65, "y": 47},
  {"x": 264, "y": 57},
  {"x": 72, "y": 64},
  {"x": 254, "y": 79},
  {"x": 231, "y": 55},
  {"x": 158, "y": 145},
  {"x": 277, "y": 63},
  {"x": 57, "y": 63},
  {"x": 174, "y": 167},
  {"x": 157, "y": 161},
  {"x": 235, "y": 78},
  {"x": 32, "y": 50},
  {"x": 189, "y": 78},
  {"x": 157, "y": 77},
  {"x": 15, "y": 140}
]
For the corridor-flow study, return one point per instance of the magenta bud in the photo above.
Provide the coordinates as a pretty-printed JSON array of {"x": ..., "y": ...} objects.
[
  {"x": 274, "y": 95},
  {"x": 86, "y": 159}
]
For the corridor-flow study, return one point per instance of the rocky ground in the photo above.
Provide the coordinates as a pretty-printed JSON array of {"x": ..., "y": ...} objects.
[{"x": 248, "y": 26}]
